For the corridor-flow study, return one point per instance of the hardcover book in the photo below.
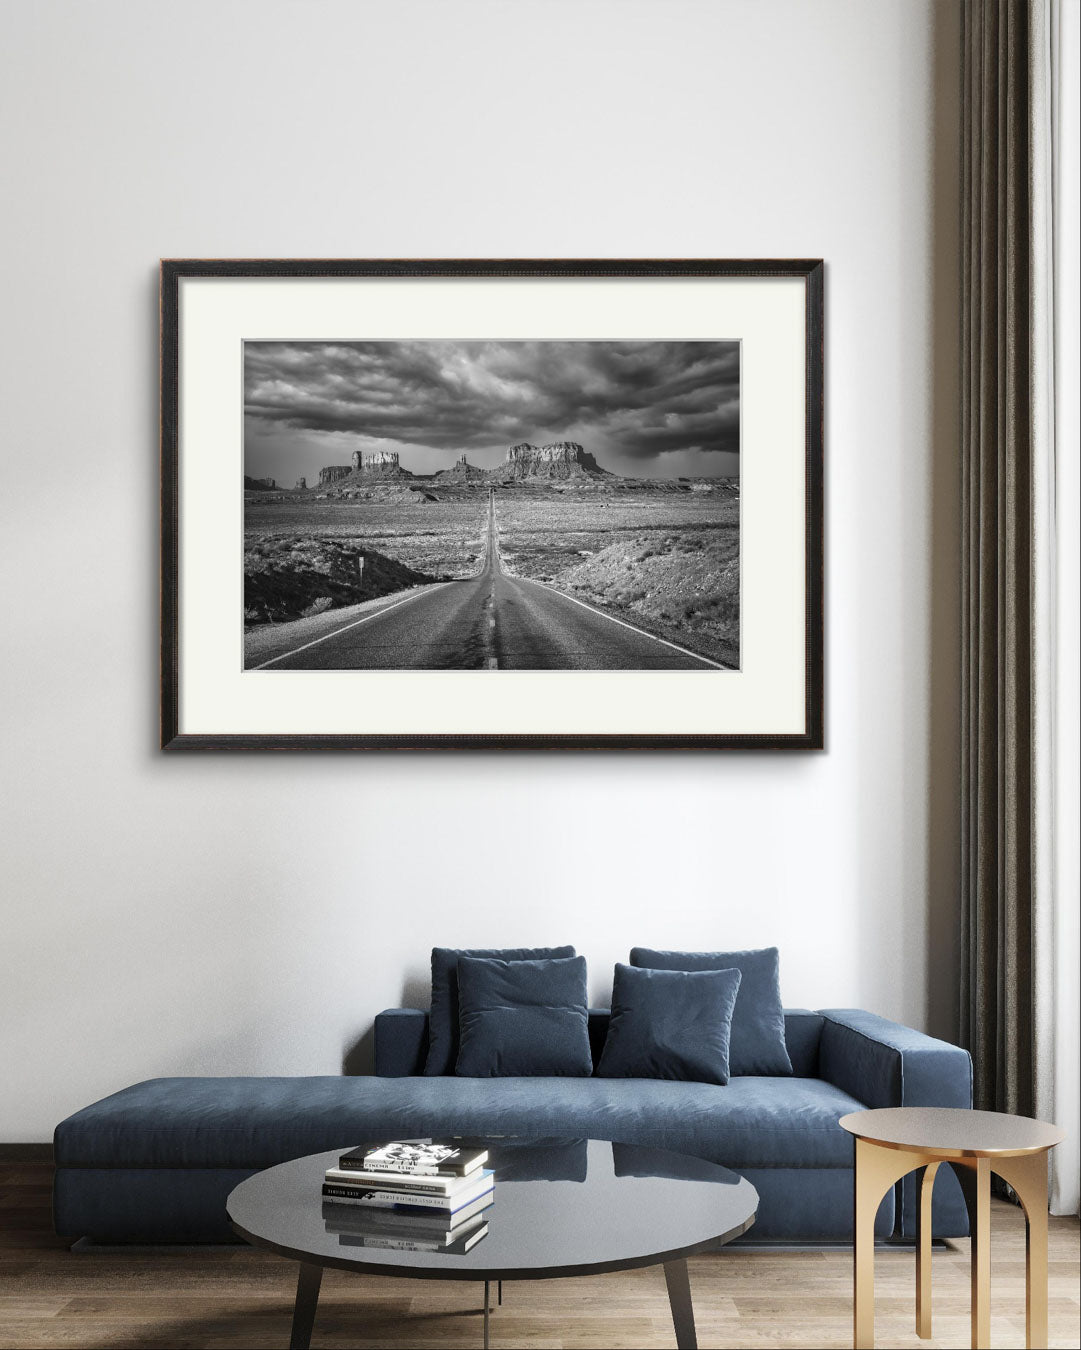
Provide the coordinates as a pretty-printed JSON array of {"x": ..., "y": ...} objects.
[
  {"x": 414, "y": 1183},
  {"x": 434, "y": 1157},
  {"x": 379, "y": 1197}
]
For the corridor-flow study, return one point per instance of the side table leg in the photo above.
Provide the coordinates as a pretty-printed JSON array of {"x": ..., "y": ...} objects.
[
  {"x": 1028, "y": 1177},
  {"x": 679, "y": 1299},
  {"x": 877, "y": 1169},
  {"x": 308, "y": 1282},
  {"x": 981, "y": 1259},
  {"x": 868, "y": 1198},
  {"x": 923, "y": 1254},
  {"x": 1036, "y": 1275},
  {"x": 975, "y": 1179}
]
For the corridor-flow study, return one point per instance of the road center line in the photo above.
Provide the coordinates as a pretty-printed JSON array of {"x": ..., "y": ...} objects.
[{"x": 425, "y": 590}]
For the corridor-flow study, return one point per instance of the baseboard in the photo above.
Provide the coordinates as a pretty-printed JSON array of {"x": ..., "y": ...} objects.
[{"x": 26, "y": 1153}]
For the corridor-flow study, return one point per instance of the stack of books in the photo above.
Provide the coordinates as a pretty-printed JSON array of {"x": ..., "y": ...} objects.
[{"x": 428, "y": 1196}]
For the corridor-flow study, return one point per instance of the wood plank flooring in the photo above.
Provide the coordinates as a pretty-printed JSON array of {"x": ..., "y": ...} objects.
[{"x": 233, "y": 1298}]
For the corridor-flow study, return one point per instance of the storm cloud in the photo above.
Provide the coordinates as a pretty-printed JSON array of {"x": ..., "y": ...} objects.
[{"x": 635, "y": 402}]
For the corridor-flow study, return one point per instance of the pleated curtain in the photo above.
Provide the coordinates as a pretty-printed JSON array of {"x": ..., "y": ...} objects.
[{"x": 1007, "y": 555}]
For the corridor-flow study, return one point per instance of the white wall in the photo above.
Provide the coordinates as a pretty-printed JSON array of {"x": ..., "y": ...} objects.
[{"x": 250, "y": 914}]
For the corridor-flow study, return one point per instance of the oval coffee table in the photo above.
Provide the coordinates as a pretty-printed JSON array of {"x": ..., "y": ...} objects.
[
  {"x": 562, "y": 1208},
  {"x": 894, "y": 1141}
]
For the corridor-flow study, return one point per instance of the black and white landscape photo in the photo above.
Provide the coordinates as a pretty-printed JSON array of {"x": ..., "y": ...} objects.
[{"x": 483, "y": 505}]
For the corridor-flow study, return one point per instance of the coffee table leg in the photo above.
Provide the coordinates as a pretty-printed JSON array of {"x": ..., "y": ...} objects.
[
  {"x": 679, "y": 1297},
  {"x": 923, "y": 1254},
  {"x": 487, "y": 1314},
  {"x": 308, "y": 1282}
]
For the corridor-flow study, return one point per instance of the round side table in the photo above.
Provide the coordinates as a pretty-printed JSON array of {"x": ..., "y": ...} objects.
[{"x": 891, "y": 1143}]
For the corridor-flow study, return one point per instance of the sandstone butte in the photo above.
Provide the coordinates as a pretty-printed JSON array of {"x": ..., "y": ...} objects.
[{"x": 561, "y": 459}]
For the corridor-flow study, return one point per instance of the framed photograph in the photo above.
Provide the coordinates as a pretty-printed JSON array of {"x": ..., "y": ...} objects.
[{"x": 491, "y": 504}]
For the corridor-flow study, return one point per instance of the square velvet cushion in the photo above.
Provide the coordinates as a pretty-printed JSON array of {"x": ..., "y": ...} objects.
[
  {"x": 758, "y": 1044},
  {"x": 523, "y": 1019},
  {"x": 443, "y": 1019},
  {"x": 670, "y": 1024}
]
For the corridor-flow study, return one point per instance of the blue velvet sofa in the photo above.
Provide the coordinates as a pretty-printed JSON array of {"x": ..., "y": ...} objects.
[{"x": 156, "y": 1161}]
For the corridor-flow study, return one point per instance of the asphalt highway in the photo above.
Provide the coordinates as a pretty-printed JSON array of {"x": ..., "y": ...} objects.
[{"x": 492, "y": 621}]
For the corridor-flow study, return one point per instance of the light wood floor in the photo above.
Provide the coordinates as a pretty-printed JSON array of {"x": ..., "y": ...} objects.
[{"x": 51, "y": 1297}]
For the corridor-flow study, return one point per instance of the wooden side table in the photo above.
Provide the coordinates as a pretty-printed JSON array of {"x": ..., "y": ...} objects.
[{"x": 891, "y": 1143}]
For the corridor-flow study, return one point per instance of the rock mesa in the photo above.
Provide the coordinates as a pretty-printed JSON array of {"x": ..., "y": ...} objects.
[
  {"x": 379, "y": 464},
  {"x": 561, "y": 459}
]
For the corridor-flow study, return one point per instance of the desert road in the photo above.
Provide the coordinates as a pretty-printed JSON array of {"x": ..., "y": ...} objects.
[{"x": 492, "y": 621}]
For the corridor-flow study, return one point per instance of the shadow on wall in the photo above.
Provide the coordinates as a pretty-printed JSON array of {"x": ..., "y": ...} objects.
[
  {"x": 359, "y": 1058},
  {"x": 926, "y": 701},
  {"x": 151, "y": 683},
  {"x": 941, "y": 892}
]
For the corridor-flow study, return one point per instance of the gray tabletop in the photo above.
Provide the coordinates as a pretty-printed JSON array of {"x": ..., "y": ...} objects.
[
  {"x": 951, "y": 1132},
  {"x": 561, "y": 1207}
]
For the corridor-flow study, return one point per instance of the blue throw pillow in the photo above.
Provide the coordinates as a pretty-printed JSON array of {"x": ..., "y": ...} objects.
[
  {"x": 523, "y": 1019},
  {"x": 670, "y": 1024},
  {"x": 758, "y": 1045},
  {"x": 443, "y": 1019}
]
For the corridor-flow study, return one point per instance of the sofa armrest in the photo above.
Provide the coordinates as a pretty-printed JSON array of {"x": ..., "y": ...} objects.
[
  {"x": 401, "y": 1042},
  {"x": 882, "y": 1063}
]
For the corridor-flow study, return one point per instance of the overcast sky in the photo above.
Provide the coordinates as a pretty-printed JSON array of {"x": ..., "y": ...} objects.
[{"x": 654, "y": 409}]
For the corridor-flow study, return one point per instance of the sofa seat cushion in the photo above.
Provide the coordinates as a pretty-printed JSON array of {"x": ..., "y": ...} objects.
[{"x": 258, "y": 1122}]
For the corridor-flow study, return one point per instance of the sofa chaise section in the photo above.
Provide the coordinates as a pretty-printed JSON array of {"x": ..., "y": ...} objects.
[
  {"x": 140, "y": 1150},
  {"x": 156, "y": 1161}
]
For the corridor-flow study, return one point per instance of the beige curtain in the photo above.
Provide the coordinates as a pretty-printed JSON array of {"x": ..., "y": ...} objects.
[{"x": 1008, "y": 555}]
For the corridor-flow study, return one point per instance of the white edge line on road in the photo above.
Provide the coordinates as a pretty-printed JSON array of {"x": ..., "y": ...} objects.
[
  {"x": 421, "y": 590},
  {"x": 622, "y": 623},
  {"x": 652, "y": 636}
]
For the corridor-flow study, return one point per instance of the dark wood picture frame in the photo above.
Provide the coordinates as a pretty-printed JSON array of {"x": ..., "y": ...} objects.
[{"x": 174, "y": 271}]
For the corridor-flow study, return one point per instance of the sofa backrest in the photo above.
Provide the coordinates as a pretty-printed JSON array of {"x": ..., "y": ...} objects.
[
  {"x": 802, "y": 1029},
  {"x": 401, "y": 1040}
]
